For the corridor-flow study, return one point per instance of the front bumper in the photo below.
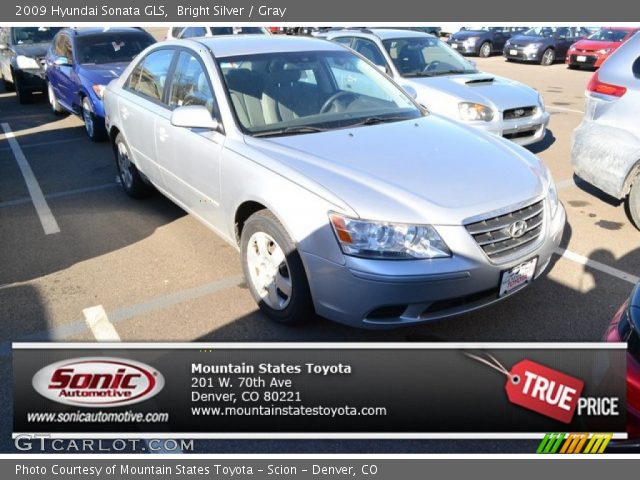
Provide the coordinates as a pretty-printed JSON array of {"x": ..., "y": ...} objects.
[
  {"x": 522, "y": 55},
  {"x": 523, "y": 131},
  {"x": 384, "y": 294},
  {"x": 463, "y": 48},
  {"x": 585, "y": 59}
]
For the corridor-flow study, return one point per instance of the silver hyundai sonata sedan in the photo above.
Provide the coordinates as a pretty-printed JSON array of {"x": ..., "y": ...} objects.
[{"x": 343, "y": 196}]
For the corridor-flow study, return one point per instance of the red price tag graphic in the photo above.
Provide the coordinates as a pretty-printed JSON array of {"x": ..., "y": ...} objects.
[
  {"x": 539, "y": 388},
  {"x": 544, "y": 390}
]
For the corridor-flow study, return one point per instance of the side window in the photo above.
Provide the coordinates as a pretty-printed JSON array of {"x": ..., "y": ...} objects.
[
  {"x": 149, "y": 76},
  {"x": 190, "y": 84},
  {"x": 343, "y": 40},
  {"x": 175, "y": 32},
  {"x": 636, "y": 68},
  {"x": 191, "y": 32},
  {"x": 370, "y": 51}
]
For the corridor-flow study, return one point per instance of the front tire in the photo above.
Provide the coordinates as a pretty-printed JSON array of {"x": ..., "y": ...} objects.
[
  {"x": 273, "y": 269},
  {"x": 633, "y": 203},
  {"x": 23, "y": 95},
  {"x": 548, "y": 57},
  {"x": 485, "y": 50},
  {"x": 56, "y": 108},
  {"x": 92, "y": 125},
  {"x": 129, "y": 176}
]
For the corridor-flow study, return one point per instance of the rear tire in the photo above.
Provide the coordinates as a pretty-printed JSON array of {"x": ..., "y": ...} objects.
[
  {"x": 485, "y": 50},
  {"x": 129, "y": 176},
  {"x": 633, "y": 203},
  {"x": 273, "y": 270},
  {"x": 548, "y": 57}
]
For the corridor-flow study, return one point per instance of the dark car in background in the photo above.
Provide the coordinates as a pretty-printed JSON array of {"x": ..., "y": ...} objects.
[
  {"x": 22, "y": 50},
  {"x": 81, "y": 63},
  {"x": 482, "y": 41},
  {"x": 625, "y": 327},
  {"x": 543, "y": 45},
  {"x": 597, "y": 47}
]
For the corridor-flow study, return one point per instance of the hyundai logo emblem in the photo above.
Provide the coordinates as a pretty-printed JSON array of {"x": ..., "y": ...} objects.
[
  {"x": 517, "y": 228},
  {"x": 518, "y": 112}
]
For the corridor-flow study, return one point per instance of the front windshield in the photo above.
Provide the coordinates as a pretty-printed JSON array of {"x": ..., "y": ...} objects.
[
  {"x": 606, "y": 35},
  {"x": 304, "y": 92},
  {"x": 426, "y": 57},
  {"x": 32, "y": 35},
  {"x": 542, "y": 31},
  {"x": 110, "y": 47}
]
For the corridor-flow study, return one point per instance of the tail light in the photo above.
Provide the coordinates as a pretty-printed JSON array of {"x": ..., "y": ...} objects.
[{"x": 596, "y": 86}]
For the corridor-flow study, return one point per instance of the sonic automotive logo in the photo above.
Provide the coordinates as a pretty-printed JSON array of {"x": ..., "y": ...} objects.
[{"x": 98, "y": 382}]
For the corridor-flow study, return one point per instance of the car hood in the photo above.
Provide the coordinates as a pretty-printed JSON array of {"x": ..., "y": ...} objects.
[
  {"x": 102, "y": 74},
  {"x": 428, "y": 170},
  {"x": 497, "y": 92},
  {"x": 593, "y": 45},
  {"x": 467, "y": 33},
  {"x": 31, "y": 50},
  {"x": 527, "y": 39}
]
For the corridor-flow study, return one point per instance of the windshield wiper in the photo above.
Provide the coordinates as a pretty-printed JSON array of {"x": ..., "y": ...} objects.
[
  {"x": 376, "y": 120},
  {"x": 290, "y": 131}
]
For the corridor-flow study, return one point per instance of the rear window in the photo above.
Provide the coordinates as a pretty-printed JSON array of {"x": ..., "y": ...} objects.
[{"x": 110, "y": 47}]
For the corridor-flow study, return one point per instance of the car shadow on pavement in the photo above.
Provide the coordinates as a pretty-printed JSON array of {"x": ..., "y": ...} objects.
[{"x": 539, "y": 147}]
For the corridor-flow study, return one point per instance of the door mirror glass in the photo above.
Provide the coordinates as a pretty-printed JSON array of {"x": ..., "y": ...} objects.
[{"x": 194, "y": 116}]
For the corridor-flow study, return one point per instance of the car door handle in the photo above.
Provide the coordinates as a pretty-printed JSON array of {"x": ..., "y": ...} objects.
[
  {"x": 162, "y": 134},
  {"x": 124, "y": 112}
]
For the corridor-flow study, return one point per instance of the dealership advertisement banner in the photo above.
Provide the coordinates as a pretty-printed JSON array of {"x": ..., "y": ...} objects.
[{"x": 318, "y": 390}]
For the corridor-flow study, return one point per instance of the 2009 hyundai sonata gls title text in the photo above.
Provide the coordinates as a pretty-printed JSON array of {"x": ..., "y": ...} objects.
[{"x": 350, "y": 202}]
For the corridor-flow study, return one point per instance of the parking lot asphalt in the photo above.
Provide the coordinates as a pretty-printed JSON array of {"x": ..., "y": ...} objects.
[{"x": 162, "y": 276}]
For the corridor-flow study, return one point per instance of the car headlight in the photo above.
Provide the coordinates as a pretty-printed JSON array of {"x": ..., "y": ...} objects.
[
  {"x": 471, "y": 41},
  {"x": 470, "y": 111},
  {"x": 382, "y": 240},
  {"x": 541, "y": 103},
  {"x": 552, "y": 195},
  {"x": 604, "y": 51},
  {"x": 532, "y": 47},
  {"x": 507, "y": 43},
  {"x": 24, "y": 63},
  {"x": 98, "y": 90}
]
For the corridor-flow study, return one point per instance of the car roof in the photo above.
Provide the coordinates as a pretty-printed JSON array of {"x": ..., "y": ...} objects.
[
  {"x": 232, "y": 45},
  {"x": 83, "y": 31}
]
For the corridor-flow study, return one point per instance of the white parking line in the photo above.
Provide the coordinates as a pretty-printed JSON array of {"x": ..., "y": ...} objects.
[
  {"x": 98, "y": 322},
  {"x": 47, "y": 219},
  {"x": 574, "y": 257},
  {"x": 562, "y": 109}
]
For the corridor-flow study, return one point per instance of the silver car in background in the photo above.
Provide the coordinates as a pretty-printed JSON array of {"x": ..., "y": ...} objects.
[
  {"x": 448, "y": 84},
  {"x": 353, "y": 203},
  {"x": 605, "y": 148}
]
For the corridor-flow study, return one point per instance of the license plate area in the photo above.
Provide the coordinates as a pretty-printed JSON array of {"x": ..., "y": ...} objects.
[
  {"x": 517, "y": 277},
  {"x": 513, "y": 52},
  {"x": 581, "y": 58}
]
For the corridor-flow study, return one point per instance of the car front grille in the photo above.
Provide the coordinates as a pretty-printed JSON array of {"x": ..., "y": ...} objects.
[
  {"x": 522, "y": 112},
  {"x": 494, "y": 237}
]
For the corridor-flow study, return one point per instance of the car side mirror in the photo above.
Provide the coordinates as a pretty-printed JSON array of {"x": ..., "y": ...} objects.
[
  {"x": 62, "y": 61},
  {"x": 194, "y": 116},
  {"x": 412, "y": 92},
  {"x": 382, "y": 68}
]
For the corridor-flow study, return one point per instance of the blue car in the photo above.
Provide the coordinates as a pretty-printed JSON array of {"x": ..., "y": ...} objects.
[{"x": 81, "y": 63}]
